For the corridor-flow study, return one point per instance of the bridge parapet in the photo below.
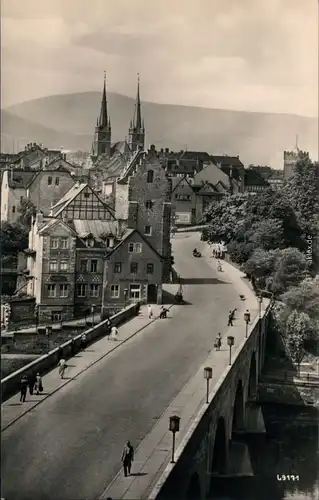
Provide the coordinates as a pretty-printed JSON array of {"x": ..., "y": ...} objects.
[{"x": 213, "y": 446}]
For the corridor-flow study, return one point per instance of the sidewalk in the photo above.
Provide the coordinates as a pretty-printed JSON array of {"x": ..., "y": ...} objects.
[
  {"x": 151, "y": 465},
  {"x": 12, "y": 409}
]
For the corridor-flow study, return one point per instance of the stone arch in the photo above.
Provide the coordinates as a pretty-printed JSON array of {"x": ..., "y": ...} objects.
[
  {"x": 252, "y": 383},
  {"x": 238, "y": 423},
  {"x": 194, "y": 490},
  {"x": 219, "y": 458}
]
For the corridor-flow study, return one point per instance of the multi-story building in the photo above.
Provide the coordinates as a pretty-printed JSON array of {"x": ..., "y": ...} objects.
[
  {"x": 141, "y": 262},
  {"x": 66, "y": 253},
  {"x": 43, "y": 188}
]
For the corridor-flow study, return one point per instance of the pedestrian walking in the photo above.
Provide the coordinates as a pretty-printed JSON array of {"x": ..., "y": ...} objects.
[
  {"x": 114, "y": 333},
  {"x": 38, "y": 384},
  {"x": 230, "y": 318},
  {"x": 31, "y": 383},
  {"x": 23, "y": 388},
  {"x": 62, "y": 367},
  {"x": 218, "y": 342},
  {"x": 150, "y": 311},
  {"x": 127, "y": 458},
  {"x": 234, "y": 312},
  {"x": 163, "y": 312},
  {"x": 83, "y": 340}
]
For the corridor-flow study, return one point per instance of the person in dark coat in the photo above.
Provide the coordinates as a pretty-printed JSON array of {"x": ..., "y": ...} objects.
[
  {"x": 23, "y": 388},
  {"x": 230, "y": 318},
  {"x": 127, "y": 458},
  {"x": 31, "y": 383}
]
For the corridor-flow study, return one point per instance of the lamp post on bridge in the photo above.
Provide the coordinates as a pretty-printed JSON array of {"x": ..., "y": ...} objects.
[
  {"x": 247, "y": 320},
  {"x": 208, "y": 374},
  {"x": 174, "y": 427},
  {"x": 230, "y": 342},
  {"x": 125, "y": 296},
  {"x": 92, "y": 311},
  {"x": 260, "y": 301}
]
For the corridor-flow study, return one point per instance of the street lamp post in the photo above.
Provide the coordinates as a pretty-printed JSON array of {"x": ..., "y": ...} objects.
[
  {"x": 174, "y": 427},
  {"x": 247, "y": 320},
  {"x": 208, "y": 374},
  {"x": 230, "y": 342},
  {"x": 92, "y": 311},
  {"x": 125, "y": 296}
]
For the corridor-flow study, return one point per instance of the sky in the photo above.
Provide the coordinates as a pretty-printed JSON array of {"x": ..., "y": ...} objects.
[{"x": 254, "y": 55}]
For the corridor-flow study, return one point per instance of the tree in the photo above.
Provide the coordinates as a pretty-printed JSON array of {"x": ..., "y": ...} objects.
[
  {"x": 303, "y": 297},
  {"x": 289, "y": 269},
  {"x": 302, "y": 191},
  {"x": 27, "y": 210},
  {"x": 223, "y": 218},
  {"x": 239, "y": 251},
  {"x": 298, "y": 329},
  {"x": 268, "y": 234},
  {"x": 13, "y": 237},
  {"x": 260, "y": 266}
]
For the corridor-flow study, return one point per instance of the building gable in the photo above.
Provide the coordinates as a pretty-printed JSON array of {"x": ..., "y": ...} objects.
[
  {"x": 133, "y": 235},
  {"x": 184, "y": 184},
  {"x": 57, "y": 227},
  {"x": 86, "y": 205}
]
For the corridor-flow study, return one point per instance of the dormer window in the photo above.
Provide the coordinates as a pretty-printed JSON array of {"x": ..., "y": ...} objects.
[
  {"x": 90, "y": 242},
  {"x": 110, "y": 242}
]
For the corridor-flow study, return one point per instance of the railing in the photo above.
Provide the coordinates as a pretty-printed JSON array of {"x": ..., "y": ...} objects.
[{"x": 290, "y": 376}]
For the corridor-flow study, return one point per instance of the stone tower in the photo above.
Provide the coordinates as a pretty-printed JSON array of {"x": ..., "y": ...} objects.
[
  {"x": 102, "y": 138},
  {"x": 137, "y": 129}
]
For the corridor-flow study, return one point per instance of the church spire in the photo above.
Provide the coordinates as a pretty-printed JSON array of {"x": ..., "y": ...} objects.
[
  {"x": 137, "y": 122},
  {"x": 103, "y": 120}
]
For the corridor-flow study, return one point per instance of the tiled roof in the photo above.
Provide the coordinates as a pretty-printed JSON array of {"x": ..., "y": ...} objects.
[
  {"x": 194, "y": 155},
  {"x": 68, "y": 197},
  {"x": 212, "y": 174},
  {"x": 20, "y": 179},
  {"x": 236, "y": 173},
  {"x": 226, "y": 161},
  {"x": 95, "y": 227}
]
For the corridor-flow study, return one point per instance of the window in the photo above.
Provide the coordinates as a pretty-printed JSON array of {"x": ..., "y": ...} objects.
[
  {"x": 90, "y": 242},
  {"x": 13, "y": 209},
  {"x": 49, "y": 181},
  {"x": 94, "y": 266},
  {"x": 53, "y": 266},
  {"x": 21, "y": 199},
  {"x": 54, "y": 242},
  {"x": 134, "y": 267},
  {"x": 64, "y": 265},
  {"x": 86, "y": 195},
  {"x": 56, "y": 316},
  {"x": 135, "y": 247},
  {"x": 57, "y": 181},
  {"x": 150, "y": 176},
  {"x": 115, "y": 291},
  {"x": 150, "y": 268},
  {"x": 64, "y": 243},
  {"x": 118, "y": 267},
  {"x": 64, "y": 290},
  {"x": 148, "y": 230},
  {"x": 94, "y": 290},
  {"x": 149, "y": 204},
  {"x": 193, "y": 211},
  {"x": 52, "y": 290},
  {"x": 135, "y": 292},
  {"x": 81, "y": 290},
  {"x": 83, "y": 265}
]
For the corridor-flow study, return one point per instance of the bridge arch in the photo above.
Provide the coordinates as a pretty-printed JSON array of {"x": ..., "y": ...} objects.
[
  {"x": 194, "y": 490},
  {"x": 252, "y": 383},
  {"x": 238, "y": 423},
  {"x": 219, "y": 458}
]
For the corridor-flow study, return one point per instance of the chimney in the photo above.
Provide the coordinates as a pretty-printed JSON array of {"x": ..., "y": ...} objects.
[
  {"x": 132, "y": 215},
  {"x": 166, "y": 151}
]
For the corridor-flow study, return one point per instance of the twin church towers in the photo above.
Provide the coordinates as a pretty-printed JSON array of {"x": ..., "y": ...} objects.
[{"x": 103, "y": 130}]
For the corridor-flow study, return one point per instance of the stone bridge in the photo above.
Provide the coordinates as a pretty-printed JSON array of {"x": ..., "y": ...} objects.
[{"x": 215, "y": 447}]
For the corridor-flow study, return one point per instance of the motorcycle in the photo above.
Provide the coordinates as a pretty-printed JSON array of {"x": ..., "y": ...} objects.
[{"x": 196, "y": 253}]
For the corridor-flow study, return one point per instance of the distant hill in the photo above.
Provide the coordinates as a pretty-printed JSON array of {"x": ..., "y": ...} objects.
[{"x": 69, "y": 120}]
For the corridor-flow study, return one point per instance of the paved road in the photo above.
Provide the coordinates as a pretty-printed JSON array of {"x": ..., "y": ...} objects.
[{"x": 70, "y": 445}]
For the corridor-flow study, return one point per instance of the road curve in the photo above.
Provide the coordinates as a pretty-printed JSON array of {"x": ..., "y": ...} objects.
[{"x": 69, "y": 447}]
